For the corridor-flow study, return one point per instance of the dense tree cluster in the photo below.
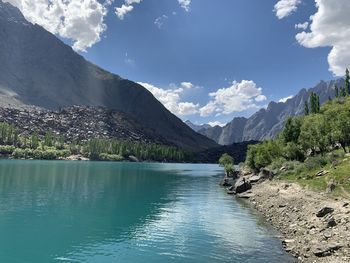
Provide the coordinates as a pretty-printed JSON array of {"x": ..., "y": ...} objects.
[
  {"x": 101, "y": 149},
  {"x": 321, "y": 130},
  {"x": 51, "y": 146}
]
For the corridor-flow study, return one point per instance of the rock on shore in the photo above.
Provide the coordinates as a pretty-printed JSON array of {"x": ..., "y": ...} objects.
[{"x": 314, "y": 227}]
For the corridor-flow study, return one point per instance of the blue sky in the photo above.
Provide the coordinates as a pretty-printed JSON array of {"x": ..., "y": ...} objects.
[
  {"x": 211, "y": 46},
  {"x": 209, "y": 61}
]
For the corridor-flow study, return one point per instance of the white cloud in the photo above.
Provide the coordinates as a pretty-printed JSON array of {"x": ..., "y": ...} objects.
[
  {"x": 303, "y": 26},
  {"x": 123, "y": 10},
  {"x": 185, "y": 4},
  {"x": 238, "y": 97},
  {"x": 128, "y": 6},
  {"x": 171, "y": 99},
  {"x": 159, "y": 22},
  {"x": 284, "y": 8},
  {"x": 286, "y": 98},
  {"x": 216, "y": 123},
  {"x": 260, "y": 98},
  {"x": 330, "y": 26},
  {"x": 187, "y": 85},
  {"x": 82, "y": 21}
]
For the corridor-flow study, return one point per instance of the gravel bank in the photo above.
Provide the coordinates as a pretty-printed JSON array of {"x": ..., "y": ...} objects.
[{"x": 314, "y": 227}]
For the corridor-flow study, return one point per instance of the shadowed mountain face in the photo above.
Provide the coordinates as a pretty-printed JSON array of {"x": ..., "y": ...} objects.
[
  {"x": 38, "y": 69},
  {"x": 267, "y": 123}
]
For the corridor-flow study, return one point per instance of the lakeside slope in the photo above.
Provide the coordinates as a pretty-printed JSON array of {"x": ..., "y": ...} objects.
[{"x": 308, "y": 232}]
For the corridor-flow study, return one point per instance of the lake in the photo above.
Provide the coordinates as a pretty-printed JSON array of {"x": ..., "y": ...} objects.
[{"x": 98, "y": 212}]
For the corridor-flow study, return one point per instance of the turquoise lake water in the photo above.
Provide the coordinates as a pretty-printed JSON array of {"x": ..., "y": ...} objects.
[{"x": 126, "y": 212}]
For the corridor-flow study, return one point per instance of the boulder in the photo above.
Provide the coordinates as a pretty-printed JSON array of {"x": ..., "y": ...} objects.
[
  {"x": 324, "y": 211},
  {"x": 233, "y": 174},
  {"x": 321, "y": 173},
  {"x": 331, "y": 222},
  {"x": 133, "y": 159},
  {"x": 242, "y": 185},
  {"x": 255, "y": 178},
  {"x": 330, "y": 186},
  {"x": 266, "y": 173},
  {"x": 325, "y": 249},
  {"x": 226, "y": 182},
  {"x": 245, "y": 195}
]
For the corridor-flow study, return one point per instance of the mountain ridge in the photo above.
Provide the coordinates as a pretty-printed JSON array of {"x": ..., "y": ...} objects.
[
  {"x": 39, "y": 69},
  {"x": 267, "y": 123}
]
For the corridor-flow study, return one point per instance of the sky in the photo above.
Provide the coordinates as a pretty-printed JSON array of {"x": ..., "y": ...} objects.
[{"x": 207, "y": 61}]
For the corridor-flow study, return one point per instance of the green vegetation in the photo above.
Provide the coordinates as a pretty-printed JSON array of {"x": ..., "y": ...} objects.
[
  {"x": 227, "y": 162},
  {"x": 51, "y": 147},
  {"x": 112, "y": 149},
  {"x": 308, "y": 145}
]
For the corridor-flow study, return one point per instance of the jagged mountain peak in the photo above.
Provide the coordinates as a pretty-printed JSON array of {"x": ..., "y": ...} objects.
[{"x": 267, "y": 123}]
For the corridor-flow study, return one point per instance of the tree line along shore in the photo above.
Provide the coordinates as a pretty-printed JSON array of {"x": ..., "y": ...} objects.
[{"x": 53, "y": 147}]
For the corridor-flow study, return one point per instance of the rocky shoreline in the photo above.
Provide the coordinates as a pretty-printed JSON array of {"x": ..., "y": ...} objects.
[{"x": 314, "y": 227}]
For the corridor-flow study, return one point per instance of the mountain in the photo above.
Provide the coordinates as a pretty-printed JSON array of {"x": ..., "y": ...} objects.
[
  {"x": 78, "y": 123},
  {"x": 196, "y": 127},
  {"x": 267, "y": 123},
  {"x": 39, "y": 69},
  {"x": 237, "y": 150}
]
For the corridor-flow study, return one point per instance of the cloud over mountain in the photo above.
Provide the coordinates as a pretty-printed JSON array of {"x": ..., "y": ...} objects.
[
  {"x": 330, "y": 27},
  {"x": 81, "y": 21}
]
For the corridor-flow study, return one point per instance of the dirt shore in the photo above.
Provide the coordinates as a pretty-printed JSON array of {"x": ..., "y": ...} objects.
[{"x": 314, "y": 226}]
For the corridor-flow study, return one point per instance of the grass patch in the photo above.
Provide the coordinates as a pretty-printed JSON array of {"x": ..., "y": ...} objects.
[{"x": 305, "y": 173}]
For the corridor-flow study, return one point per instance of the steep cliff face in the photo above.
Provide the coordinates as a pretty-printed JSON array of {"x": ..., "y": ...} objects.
[
  {"x": 38, "y": 69},
  {"x": 267, "y": 123}
]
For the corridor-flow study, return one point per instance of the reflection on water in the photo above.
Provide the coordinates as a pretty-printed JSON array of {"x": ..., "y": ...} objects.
[{"x": 125, "y": 212}]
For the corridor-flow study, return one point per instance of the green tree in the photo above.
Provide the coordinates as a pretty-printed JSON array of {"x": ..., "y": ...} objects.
[
  {"x": 336, "y": 89},
  {"x": 347, "y": 81},
  {"x": 34, "y": 141},
  {"x": 342, "y": 92},
  {"x": 291, "y": 130},
  {"x": 306, "y": 108},
  {"x": 314, "y": 133},
  {"x": 227, "y": 162}
]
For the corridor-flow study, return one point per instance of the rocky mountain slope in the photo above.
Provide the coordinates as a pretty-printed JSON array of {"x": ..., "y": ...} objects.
[
  {"x": 267, "y": 123},
  {"x": 78, "y": 123},
  {"x": 38, "y": 69}
]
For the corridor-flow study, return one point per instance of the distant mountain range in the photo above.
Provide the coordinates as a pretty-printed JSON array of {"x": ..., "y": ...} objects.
[
  {"x": 267, "y": 123},
  {"x": 39, "y": 69},
  {"x": 196, "y": 127}
]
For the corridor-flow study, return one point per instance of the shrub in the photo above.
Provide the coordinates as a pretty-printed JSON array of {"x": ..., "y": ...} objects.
[
  {"x": 37, "y": 154},
  {"x": 7, "y": 149},
  {"x": 49, "y": 154},
  {"x": 19, "y": 153},
  {"x": 312, "y": 163},
  {"x": 110, "y": 157}
]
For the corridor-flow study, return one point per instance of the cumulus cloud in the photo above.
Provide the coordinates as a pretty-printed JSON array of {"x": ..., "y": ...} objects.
[
  {"x": 171, "y": 99},
  {"x": 286, "y": 98},
  {"x": 330, "y": 26},
  {"x": 81, "y": 21},
  {"x": 123, "y": 10},
  {"x": 187, "y": 85},
  {"x": 185, "y": 4},
  {"x": 284, "y": 8},
  {"x": 238, "y": 97},
  {"x": 303, "y": 26}
]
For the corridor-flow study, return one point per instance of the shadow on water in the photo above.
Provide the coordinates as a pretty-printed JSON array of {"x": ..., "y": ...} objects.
[{"x": 125, "y": 212}]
